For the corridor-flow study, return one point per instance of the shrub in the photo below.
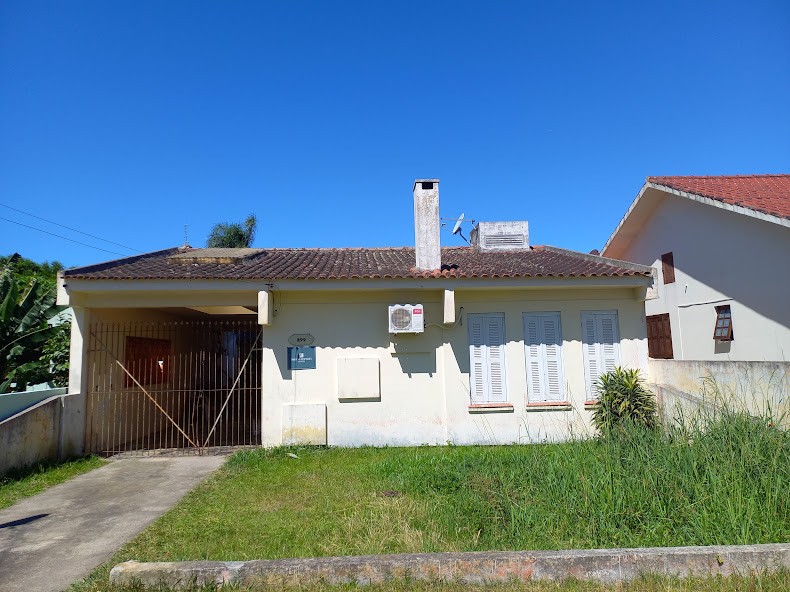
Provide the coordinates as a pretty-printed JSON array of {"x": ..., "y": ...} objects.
[{"x": 623, "y": 401}]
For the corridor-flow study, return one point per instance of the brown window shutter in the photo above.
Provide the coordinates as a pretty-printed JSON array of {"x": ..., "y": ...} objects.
[
  {"x": 668, "y": 266},
  {"x": 659, "y": 337}
]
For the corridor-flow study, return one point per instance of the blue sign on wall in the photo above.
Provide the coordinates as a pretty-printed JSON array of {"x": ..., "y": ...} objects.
[{"x": 301, "y": 357}]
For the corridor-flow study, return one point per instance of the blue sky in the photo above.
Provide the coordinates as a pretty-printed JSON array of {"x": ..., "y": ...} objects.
[{"x": 128, "y": 120}]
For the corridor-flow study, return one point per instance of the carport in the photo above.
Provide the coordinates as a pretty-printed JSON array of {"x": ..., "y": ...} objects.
[{"x": 183, "y": 386}]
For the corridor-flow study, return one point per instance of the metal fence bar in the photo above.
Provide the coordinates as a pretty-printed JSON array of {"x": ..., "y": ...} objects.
[{"x": 196, "y": 384}]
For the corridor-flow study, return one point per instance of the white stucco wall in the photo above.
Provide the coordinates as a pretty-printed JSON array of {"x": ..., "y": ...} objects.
[
  {"x": 721, "y": 257},
  {"x": 424, "y": 379},
  {"x": 407, "y": 389}
]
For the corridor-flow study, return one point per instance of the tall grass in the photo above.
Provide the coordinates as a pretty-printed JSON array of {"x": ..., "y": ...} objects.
[{"x": 722, "y": 481}]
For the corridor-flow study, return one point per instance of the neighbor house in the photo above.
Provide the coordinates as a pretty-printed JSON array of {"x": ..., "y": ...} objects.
[
  {"x": 721, "y": 248},
  {"x": 496, "y": 342}
]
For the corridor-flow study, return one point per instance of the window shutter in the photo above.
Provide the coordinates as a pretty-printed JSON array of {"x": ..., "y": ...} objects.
[
  {"x": 609, "y": 341},
  {"x": 552, "y": 340},
  {"x": 477, "y": 357},
  {"x": 601, "y": 346},
  {"x": 668, "y": 267},
  {"x": 495, "y": 329},
  {"x": 532, "y": 345},
  {"x": 592, "y": 364},
  {"x": 659, "y": 336}
]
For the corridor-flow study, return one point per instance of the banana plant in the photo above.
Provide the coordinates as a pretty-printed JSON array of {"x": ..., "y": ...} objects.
[{"x": 24, "y": 329}]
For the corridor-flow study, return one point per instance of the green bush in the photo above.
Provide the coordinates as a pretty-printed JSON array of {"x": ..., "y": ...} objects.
[{"x": 624, "y": 401}]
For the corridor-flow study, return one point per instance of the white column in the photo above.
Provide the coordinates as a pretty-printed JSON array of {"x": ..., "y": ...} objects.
[
  {"x": 449, "y": 307},
  {"x": 265, "y": 308},
  {"x": 75, "y": 407}
]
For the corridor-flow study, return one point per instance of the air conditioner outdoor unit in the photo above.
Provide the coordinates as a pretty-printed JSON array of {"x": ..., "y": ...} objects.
[{"x": 406, "y": 318}]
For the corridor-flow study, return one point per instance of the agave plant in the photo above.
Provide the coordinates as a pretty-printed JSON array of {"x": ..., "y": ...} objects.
[
  {"x": 623, "y": 399},
  {"x": 24, "y": 329}
]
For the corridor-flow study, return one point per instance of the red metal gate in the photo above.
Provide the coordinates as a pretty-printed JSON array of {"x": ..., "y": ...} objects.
[{"x": 187, "y": 387}]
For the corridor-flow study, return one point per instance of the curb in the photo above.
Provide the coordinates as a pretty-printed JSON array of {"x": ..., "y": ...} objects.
[{"x": 601, "y": 565}]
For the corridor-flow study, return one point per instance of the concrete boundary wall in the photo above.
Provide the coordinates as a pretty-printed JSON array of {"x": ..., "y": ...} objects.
[
  {"x": 14, "y": 403},
  {"x": 602, "y": 565},
  {"x": 684, "y": 386},
  {"x": 38, "y": 433}
]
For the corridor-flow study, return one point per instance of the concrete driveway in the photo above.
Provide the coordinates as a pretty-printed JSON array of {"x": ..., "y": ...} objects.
[{"x": 52, "y": 539}]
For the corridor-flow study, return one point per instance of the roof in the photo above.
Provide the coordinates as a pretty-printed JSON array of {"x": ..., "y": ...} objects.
[
  {"x": 769, "y": 194},
  {"x": 764, "y": 197},
  {"x": 350, "y": 263}
]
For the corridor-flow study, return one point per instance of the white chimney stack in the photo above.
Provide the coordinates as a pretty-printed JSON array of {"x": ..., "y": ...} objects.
[{"x": 426, "y": 224}]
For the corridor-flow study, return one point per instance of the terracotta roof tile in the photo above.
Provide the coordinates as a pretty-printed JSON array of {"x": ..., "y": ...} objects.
[
  {"x": 769, "y": 194},
  {"x": 313, "y": 264}
]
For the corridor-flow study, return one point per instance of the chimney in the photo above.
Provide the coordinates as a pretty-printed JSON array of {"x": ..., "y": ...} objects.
[{"x": 426, "y": 224}]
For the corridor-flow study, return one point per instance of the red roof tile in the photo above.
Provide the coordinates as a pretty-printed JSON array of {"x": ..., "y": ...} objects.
[
  {"x": 769, "y": 194},
  {"x": 315, "y": 264}
]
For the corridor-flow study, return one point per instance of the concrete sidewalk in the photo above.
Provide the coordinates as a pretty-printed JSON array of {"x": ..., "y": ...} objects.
[{"x": 52, "y": 539}]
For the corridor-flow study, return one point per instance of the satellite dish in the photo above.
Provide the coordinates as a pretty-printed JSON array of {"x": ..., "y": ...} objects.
[{"x": 457, "y": 227}]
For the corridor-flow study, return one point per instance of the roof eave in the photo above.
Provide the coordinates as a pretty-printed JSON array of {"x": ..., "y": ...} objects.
[
  {"x": 694, "y": 197},
  {"x": 134, "y": 293},
  {"x": 716, "y": 203}
]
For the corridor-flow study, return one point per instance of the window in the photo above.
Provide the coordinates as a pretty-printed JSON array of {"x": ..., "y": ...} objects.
[
  {"x": 668, "y": 267},
  {"x": 543, "y": 349},
  {"x": 723, "y": 329},
  {"x": 487, "y": 358},
  {"x": 659, "y": 337},
  {"x": 147, "y": 360},
  {"x": 601, "y": 345}
]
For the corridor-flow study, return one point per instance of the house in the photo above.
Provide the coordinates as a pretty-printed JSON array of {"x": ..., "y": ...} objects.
[
  {"x": 497, "y": 342},
  {"x": 721, "y": 248}
]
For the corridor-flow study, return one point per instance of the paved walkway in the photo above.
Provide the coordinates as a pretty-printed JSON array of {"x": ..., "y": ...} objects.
[{"x": 60, "y": 535}]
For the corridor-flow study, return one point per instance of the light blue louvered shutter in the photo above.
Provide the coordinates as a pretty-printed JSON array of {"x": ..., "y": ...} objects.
[
  {"x": 609, "y": 341},
  {"x": 477, "y": 360},
  {"x": 601, "y": 343},
  {"x": 495, "y": 342},
  {"x": 534, "y": 358},
  {"x": 543, "y": 345},
  {"x": 592, "y": 364},
  {"x": 552, "y": 352}
]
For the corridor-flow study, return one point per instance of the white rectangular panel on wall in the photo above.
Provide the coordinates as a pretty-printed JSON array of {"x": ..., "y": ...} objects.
[
  {"x": 543, "y": 350},
  {"x": 358, "y": 379},
  {"x": 487, "y": 377},
  {"x": 601, "y": 345},
  {"x": 304, "y": 423}
]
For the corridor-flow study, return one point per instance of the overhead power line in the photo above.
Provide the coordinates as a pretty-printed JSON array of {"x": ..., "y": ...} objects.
[
  {"x": 63, "y": 237},
  {"x": 70, "y": 228}
]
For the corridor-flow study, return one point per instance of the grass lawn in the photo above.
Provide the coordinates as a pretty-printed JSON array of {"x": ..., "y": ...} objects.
[
  {"x": 728, "y": 485},
  {"x": 31, "y": 480}
]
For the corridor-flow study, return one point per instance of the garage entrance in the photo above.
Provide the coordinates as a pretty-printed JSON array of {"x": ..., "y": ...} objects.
[{"x": 185, "y": 387}]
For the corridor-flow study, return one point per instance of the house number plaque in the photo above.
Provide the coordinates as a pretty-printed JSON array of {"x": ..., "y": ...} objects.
[{"x": 301, "y": 339}]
